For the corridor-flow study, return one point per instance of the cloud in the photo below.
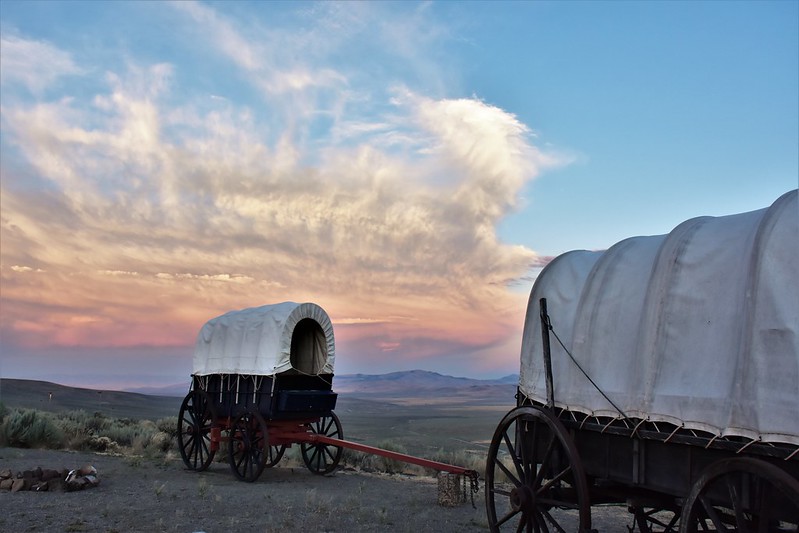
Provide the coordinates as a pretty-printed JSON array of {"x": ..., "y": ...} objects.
[
  {"x": 155, "y": 211},
  {"x": 34, "y": 64},
  {"x": 235, "y": 46}
]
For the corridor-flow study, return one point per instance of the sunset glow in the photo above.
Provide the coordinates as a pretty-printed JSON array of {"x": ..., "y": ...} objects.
[{"x": 236, "y": 155}]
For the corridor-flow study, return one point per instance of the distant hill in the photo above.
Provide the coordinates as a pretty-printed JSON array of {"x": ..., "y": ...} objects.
[
  {"x": 407, "y": 384},
  {"x": 412, "y": 382},
  {"x": 47, "y": 396},
  {"x": 176, "y": 390},
  {"x": 424, "y": 387},
  {"x": 410, "y": 387}
]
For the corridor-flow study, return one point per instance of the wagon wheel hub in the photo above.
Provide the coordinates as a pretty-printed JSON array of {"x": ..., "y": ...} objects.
[{"x": 522, "y": 499}]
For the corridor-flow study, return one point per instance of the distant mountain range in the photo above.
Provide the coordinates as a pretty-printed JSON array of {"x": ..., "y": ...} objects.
[
  {"x": 412, "y": 383},
  {"x": 396, "y": 390}
]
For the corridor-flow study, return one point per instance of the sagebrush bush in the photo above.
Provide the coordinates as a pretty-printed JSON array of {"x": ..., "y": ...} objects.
[
  {"x": 168, "y": 425},
  {"x": 29, "y": 428},
  {"x": 79, "y": 430},
  {"x": 377, "y": 463},
  {"x": 471, "y": 459},
  {"x": 388, "y": 465}
]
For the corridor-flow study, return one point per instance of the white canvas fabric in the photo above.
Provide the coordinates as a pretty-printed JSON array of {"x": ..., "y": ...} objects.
[
  {"x": 699, "y": 327},
  {"x": 258, "y": 341}
]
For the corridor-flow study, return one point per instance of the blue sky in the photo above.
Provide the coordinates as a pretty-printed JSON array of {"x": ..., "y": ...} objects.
[{"x": 408, "y": 166}]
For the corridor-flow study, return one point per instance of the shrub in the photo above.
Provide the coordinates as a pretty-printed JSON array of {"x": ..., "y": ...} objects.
[
  {"x": 101, "y": 444},
  {"x": 471, "y": 459},
  {"x": 371, "y": 462},
  {"x": 79, "y": 430},
  {"x": 168, "y": 425},
  {"x": 29, "y": 428},
  {"x": 97, "y": 422},
  {"x": 392, "y": 466},
  {"x": 161, "y": 441}
]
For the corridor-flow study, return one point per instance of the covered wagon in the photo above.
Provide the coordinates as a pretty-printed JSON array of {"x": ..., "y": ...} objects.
[
  {"x": 262, "y": 381},
  {"x": 260, "y": 371},
  {"x": 663, "y": 374}
]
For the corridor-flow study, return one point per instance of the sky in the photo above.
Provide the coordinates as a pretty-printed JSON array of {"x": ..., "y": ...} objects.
[{"x": 409, "y": 167}]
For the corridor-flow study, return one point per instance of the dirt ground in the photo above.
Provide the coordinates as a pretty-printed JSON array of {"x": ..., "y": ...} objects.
[{"x": 145, "y": 495}]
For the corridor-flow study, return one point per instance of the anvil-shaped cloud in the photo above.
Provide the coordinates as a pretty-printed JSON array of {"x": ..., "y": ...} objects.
[{"x": 131, "y": 215}]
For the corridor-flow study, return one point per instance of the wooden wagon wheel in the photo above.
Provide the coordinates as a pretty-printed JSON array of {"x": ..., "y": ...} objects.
[
  {"x": 742, "y": 494},
  {"x": 321, "y": 458},
  {"x": 248, "y": 448},
  {"x": 275, "y": 454},
  {"x": 532, "y": 468},
  {"x": 195, "y": 419}
]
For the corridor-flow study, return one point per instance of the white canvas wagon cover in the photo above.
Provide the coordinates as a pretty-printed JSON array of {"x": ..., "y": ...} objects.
[
  {"x": 267, "y": 340},
  {"x": 699, "y": 328}
]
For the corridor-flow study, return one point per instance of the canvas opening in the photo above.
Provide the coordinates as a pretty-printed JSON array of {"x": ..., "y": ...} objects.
[{"x": 308, "y": 347}]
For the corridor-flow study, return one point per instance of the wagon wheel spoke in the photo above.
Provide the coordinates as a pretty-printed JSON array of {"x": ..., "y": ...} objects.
[
  {"x": 507, "y": 472},
  {"x": 540, "y": 523},
  {"x": 507, "y": 517},
  {"x": 314, "y": 454},
  {"x": 246, "y": 453},
  {"x": 765, "y": 506},
  {"x": 545, "y": 461},
  {"x": 200, "y": 451},
  {"x": 554, "y": 480},
  {"x": 322, "y": 458},
  {"x": 202, "y": 444},
  {"x": 735, "y": 501},
  {"x": 242, "y": 460},
  {"x": 742, "y": 494},
  {"x": 328, "y": 453},
  {"x": 713, "y": 515},
  {"x": 527, "y": 463},
  {"x": 529, "y": 523},
  {"x": 515, "y": 457},
  {"x": 552, "y": 521},
  {"x": 523, "y": 524},
  {"x": 325, "y": 425},
  {"x": 195, "y": 420}
]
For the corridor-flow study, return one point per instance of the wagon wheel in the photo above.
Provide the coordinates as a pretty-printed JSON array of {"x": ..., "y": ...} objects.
[
  {"x": 321, "y": 458},
  {"x": 533, "y": 468},
  {"x": 275, "y": 454},
  {"x": 742, "y": 494},
  {"x": 248, "y": 446},
  {"x": 195, "y": 419}
]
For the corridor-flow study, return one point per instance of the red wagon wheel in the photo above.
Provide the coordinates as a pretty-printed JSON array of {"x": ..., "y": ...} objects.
[
  {"x": 195, "y": 419},
  {"x": 532, "y": 469},
  {"x": 742, "y": 494},
  {"x": 248, "y": 449},
  {"x": 321, "y": 458}
]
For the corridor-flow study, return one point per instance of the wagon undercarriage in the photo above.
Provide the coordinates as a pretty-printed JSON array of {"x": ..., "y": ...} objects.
[
  {"x": 540, "y": 462},
  {"x": 254, "y": 443}
]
